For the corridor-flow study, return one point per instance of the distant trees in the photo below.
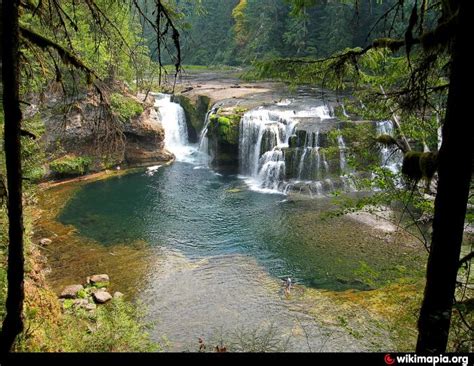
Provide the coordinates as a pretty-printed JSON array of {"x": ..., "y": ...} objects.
[{"x": 238, "y": 32}]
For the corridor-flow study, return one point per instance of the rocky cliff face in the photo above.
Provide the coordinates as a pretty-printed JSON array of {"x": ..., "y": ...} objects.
[
  {"x": 195, "y": 108},
  {"x": 144, "y": 140},
  {"x": 82, "y": 129}
]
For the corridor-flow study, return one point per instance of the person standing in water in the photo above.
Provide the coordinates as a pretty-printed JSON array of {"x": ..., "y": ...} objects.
[{"x": 288, "y": 284}]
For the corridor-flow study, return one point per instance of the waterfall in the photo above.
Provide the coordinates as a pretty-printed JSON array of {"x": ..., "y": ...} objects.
[
  {"x": 391, "y": 158},
  {"x": 173, "y": 120},
  {"x": 342, "y": 154},
  {"x": 263, "y": 134},
  {"x": 440, "y": 132},
  {"x": 203, "y": 147},
  {"x": 344, "y": 112},
  {"x": 264, "y": 137}
]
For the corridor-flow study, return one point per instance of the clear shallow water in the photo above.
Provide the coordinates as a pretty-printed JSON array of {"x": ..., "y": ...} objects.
[
  {"x": 217, "y": 250},
  {"x": 206, "y": 254},
  {"x": 200, "y": 214}
]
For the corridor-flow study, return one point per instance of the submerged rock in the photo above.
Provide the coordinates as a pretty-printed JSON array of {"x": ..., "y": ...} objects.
[
  {"x": 118, "y": 295},
  {"x": 102, "y": 279},
  {"x": 70, "y": 292},
  {"x": 80, "y": 303},
  {"x": 90, "y": 307},
  {"x": 101, "y": 297},
  {"x": 45, "y": 242}
]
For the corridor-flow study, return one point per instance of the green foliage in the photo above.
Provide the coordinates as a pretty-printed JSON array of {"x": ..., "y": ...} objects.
[
  {"x": 237, "y": 32},
  {"x": 70, "y": 165},
  {"x": 125, "y": 107},
  {"x": 100, "y": 284},
  {"x": 259, "y": 339},
  {"x": 116, "y": 327},
  {"x": 82, "y": 294},
  {"x": 116, "y": 54},
  {"x": 226, "y": 128},
  {"x": 3, "y": 281}
]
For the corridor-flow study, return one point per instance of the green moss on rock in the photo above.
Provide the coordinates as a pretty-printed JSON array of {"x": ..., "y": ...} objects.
[
  {"x": 225, "y": 128},
  {"x": 411, "y": 165},
  {"x": 428, "y": 164},
  {"x": 71, "y": 165},
  {"x": 125, "y": 107},
  {"x": 195, "y": 112},
  {"x": 386, "y": 140}
]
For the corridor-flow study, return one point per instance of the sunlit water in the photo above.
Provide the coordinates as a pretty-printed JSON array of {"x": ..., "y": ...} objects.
[{"x": 220, "y": 250}]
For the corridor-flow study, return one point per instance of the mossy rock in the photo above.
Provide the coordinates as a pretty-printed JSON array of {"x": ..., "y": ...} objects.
[
  {"x": 428, "y": 164},
  {"x": 411, "y": 165},
  {"x": 293, "y": 141},
  {"x": 269, "y": 141},
  {"x": 225, "y": 128},
  {"x": 195, "y": 112},
  {"x": 302, "y": 136}
]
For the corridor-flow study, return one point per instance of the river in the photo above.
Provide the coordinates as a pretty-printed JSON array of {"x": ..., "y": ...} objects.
[{"x": 213, "y": 254}]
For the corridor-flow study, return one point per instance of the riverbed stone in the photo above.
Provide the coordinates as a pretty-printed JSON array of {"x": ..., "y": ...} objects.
[
  {"x": 102, "y": 279},
  {"x": 45, "y": 242},
  {"x": 118, "y": 295},
  {"x": 70, "y": 292},
  {"x": 80, "y": 303},
  {"x": 101, "y": 297},
  {"x": 90, "y": 307}
]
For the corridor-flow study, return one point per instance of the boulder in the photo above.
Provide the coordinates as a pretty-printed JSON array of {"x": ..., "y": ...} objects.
[
  {"x": 99, "y": 279},
  {"x": 101, "y": 297},
  {"x": 70, "y": 292},
  {"x": 45, "y": 242}
]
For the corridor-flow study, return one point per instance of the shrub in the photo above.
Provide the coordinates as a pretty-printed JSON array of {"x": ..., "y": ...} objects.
[
  {"x": 71, "y": 165},
  {"x": 125, "y": 107}
]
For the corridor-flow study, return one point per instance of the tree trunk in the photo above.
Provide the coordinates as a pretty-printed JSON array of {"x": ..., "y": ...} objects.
[
  {"x": 13, "y": 322},
  {"x": 455, "y": 171}
]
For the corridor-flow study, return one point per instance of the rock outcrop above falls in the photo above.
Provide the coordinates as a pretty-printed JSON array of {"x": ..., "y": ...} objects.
[
  {"x": 223, "y": 136},
  {"x": 84, "y": 138},
  {"x": 145, "y": 138}
]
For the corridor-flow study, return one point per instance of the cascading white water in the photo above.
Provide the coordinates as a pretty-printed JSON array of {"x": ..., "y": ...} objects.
[
  {"x": 263, "y": 136},
  {"x": 344, "y": 112},
  {"x": 173, "y": 120},
  {"x": 391, "y": 157},
  {"x": 342, "y": 154},
  {"x": 203, "y": 139}
]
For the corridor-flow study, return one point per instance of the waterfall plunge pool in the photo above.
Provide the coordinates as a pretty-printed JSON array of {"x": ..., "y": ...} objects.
[
  {"x": 206, "y": 254},
  {"x": 212, "y": 252}
]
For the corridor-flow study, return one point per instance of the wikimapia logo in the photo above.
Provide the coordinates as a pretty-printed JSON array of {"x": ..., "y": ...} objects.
[{"x": 430, "y": 360}]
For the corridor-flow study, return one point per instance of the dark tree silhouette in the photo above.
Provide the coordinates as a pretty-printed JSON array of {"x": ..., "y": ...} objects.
[
  {"x": 13, "y": 322},
  {"x": 455, "y": 172},
  {"x": 12, "y": 35}
]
